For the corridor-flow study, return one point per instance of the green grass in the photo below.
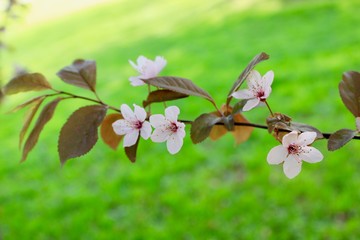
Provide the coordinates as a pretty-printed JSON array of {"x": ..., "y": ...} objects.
[{"x": 213, "y": 190}]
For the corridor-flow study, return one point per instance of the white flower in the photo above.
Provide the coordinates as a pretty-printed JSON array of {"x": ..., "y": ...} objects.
[
  {"x": 259, "y": 89},
  {"x": 293, "y": 150},
  {"x": 168, "y": 129},
  {"x": 147, "y": 69},
  {"x": 132, "y": 125}
]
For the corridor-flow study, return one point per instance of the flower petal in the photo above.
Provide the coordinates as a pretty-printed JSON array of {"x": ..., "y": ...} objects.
[
  {"x": 171, "y": 113},
  {"x": 311, "y": 155},
  {"x": 306, "y": 138},
  {"x": 141, "y": 61},
  {"x": 290, "y": 138},
  {"x": 254, "y": 79},
  {"x": 136, "y": 81},
  {"x": 291, "y": 167},
  {"x": 145, "y": 130},
  {"x": 127, "y": 113},
  {"x": 174, "y": 143},
  {"x": 268, "y": 79},
  {"x": 250, "y": 104},
  {"x": 122, "y": 127},
  {"x": 243, "y": 94},
  {"x": 140, "y": 113},
  {"x": 131, "y": 138},
  {"x": 181, "y": 129},
  {"x": 134, "y": 65},
  {"x": 160, "y": 63},
  {"x": 160, "y": 135},
  {"x": 158, "y": 120},
  {"x": 277, "y": 155}
]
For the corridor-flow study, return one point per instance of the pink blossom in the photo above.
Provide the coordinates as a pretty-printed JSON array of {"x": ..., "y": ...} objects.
[
  {"x": 168, "y": 129},
  {"x": 293, "y": 150},
  {"x": 147, "y": 69},
  {"x": 259, "y": 89},
  {"x": 132, "y": 125}
]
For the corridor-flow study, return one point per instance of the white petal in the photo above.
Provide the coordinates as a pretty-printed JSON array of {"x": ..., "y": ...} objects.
[
  {"x": 357, "y": 123},
  {"x": 174, "y": 143},
  {"x": 306, "y": 138},
  {"x": 136, "y": 81},
  {"x": 243, "y": 94},
  {"x": 291, "y": 167},
  {"x": 250, "y": 104},
  {"x": 171, "y": 113},
  {"x": 290, "y": 138},
  {"x": 127, "y": 113},
  {"x": 141, "y": 61},
  {"x": 131, "y": 138},
  {"x": 277, "y": 155},
  {"x": 134, "y": 65},
  {"x": 122, "y": 127},
  {"x": 181, "y": 129},
  {"x": 268, "y": 79},
  {"x": 140, "y": 113},
  {"x": 253, "y": 79},
  {"x": 160, "y": 63},
  {"x": 267, "y": 92},
  {"x": 311, "y": 155},
  {"x": 145, "y": 130},
  {"x": 160, "y": 135},
  {"x": 158, "y": 120}
]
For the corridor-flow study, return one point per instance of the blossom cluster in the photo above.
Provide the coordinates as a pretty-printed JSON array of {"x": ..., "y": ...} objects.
[{"x": 293, "y": 150}]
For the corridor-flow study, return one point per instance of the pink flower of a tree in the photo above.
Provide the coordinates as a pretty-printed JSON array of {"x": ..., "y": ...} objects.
[
  {"x": 132, "y": 125},
  {"x": 147, "y": 69},
  {"x": 259, "y": 89},
  {"x": 168, "y": 129},
  {"x": 293, "y": 150}
]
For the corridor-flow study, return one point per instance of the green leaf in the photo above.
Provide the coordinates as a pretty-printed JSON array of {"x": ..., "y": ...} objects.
[
  {"x": 201, "y": 127},
  {"x": 30, "y": 116},
  {"x": 45, "y": 115},
  {"x": 82, "y": 73},
  {"x": 25, "y": 83},
  {"x": 179, "y": 85},
  {"x": 257, "y": 59},
  {"x": 162, "y": 96},
  {"x": 349, "y": 89},
  {"x": 80, "y": 132},
  {"x": 340, "y": 138},
  {"x": 131, "y": 151},
  {"x": 107, "y": 132}
]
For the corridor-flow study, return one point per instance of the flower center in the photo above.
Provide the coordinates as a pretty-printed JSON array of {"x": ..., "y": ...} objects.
[
  {"x": 173, "y": 127},
  {"x": 138, "y": 125},
  {"x": 260, "y": 95},
  {"x": 293, "y": 149}
]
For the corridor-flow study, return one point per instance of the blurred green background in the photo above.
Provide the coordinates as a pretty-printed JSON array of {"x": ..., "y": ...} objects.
[{"x": 213, "y": 190}]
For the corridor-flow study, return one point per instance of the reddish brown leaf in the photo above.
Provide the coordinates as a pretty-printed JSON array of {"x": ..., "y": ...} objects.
[
  {"x": 26, "y": 82},
  {"x": 305, "y": 128},
  {"x": 79, "y": 134},
  {"x": 131, "y": 151},
  {"x": 349, "y": 89},
  {"x": 201, "y": 127},
  {"x": 241, "y": 133},
  {"x": 45, "y": 115},
  {"x": 107, "y": 132},
  {"x": 82, "y": 73},
  {"x": 29, "y": 117},
  {"x": 27, "y": 103},
  {"x": 162, "y": 96},
  {"x": 340, "y": 138},
  {"x": 179, "y": 85},
  {"x": 257, "y": 59}
]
